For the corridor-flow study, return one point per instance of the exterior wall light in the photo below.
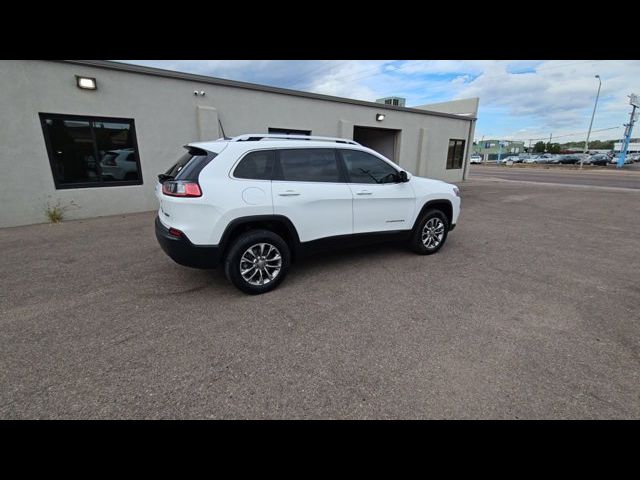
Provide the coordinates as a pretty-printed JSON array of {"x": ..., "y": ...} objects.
[
  {"x": 379, "y": 117},
  {"x": 86, "y": 83}
]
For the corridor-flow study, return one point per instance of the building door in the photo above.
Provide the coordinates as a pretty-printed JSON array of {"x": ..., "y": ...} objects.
[{"x": 382, "y": 140}]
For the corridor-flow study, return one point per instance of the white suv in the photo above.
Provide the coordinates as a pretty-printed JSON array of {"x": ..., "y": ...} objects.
[{"x": 256, "y": 202}]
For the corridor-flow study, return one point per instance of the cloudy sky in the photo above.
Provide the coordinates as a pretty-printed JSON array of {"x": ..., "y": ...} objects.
[{"x": 518, "y": 99}]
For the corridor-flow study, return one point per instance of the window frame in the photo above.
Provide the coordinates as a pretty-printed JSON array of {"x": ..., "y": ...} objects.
[
  {"x": 346, "y": 170},
  {"x": 457, "y": 141},
  {"x": 90, "y": 119},
  {"x": 277, "y": 174}
]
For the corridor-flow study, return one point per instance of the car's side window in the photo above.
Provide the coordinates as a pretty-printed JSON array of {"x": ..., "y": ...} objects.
[
  {"x": 362, "y": 167},
  {"x": 256, "y": 165},
  {"x": 308, "y": 165}
]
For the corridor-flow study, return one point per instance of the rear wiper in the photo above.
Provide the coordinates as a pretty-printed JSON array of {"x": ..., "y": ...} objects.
[{"x": 163, "y": 177}]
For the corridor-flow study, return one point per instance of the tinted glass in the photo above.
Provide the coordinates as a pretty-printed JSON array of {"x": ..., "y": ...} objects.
[
  {"x": 179, "y": 165},
  {"x": 86, "y": 151},
  {"x": 366, "y": 168},
  {"x": 255, "y": 165},
  {"x": 193, "y": 166},
  {"x": 115, "y": 146},
  {"x": 71, "y": 151},
  {"x": 309, "y": 165}
]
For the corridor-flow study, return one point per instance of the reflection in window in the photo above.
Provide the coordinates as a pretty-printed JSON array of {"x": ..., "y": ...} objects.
[{"x": 85, "y": 151}]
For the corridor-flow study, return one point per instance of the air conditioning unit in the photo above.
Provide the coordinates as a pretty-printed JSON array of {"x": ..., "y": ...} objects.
[{"x": 395, "y": 101}]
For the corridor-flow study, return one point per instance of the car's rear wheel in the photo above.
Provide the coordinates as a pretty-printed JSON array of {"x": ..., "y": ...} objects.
[
  {"x": 257, "y": 261},
  {"x": 430, "y": 232}
]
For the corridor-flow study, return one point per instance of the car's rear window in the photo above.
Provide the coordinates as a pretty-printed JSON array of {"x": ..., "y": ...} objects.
[{"x": 189, "y": 165}]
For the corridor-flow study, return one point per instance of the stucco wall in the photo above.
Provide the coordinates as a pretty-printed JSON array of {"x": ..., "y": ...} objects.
[{"x": 167, "y": 115}]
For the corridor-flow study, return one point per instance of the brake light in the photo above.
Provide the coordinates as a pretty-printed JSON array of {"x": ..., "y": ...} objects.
[
  {"x": 181, "y": 189},
  {"x": 174, "y": 232}
]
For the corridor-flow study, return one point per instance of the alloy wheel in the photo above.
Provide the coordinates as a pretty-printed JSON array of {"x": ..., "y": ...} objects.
[
  {"x": 260, "y": 264},
  {"x": 433, "y": 233}
]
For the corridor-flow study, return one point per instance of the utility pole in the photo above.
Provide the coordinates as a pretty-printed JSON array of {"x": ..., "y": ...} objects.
[
  {"x": 634, "y": 101},
  {"x": 499, "y": 152},
  {"x": 586, "y": 143},
  {"x": 550, "y": 137}
]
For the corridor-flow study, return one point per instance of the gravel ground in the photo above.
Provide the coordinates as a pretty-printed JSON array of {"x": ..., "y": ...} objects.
[{"x": 531, "y": 310}]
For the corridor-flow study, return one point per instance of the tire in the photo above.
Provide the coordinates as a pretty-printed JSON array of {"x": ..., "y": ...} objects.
[
  {"x": 247, "y": 253},
  {"x": 437, "y": 220}
]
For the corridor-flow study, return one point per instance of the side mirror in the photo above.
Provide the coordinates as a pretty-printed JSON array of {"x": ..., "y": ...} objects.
[{"x": 402, "y": 176}]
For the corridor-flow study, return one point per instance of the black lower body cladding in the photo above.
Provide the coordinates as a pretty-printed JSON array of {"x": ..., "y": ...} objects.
[{"x": 182, "y": 251}]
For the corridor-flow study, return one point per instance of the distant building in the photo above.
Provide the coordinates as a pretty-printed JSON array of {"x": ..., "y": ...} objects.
[
  {"x": 395, "y": 101},
  {"x": 633, "y": 147},
  {"x": 492, "y": 147}
]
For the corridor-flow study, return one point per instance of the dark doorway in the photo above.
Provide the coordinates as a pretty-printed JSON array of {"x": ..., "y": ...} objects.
[{"x": 382, "y": 140}]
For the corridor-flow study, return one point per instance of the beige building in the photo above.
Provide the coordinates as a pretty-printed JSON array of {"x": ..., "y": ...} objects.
[{"x": 99, "y": 150}]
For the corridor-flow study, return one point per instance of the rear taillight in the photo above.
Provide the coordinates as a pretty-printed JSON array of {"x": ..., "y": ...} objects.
[
  {"x": 174, "y": 232},
  {"x": 180, "y": 188}
]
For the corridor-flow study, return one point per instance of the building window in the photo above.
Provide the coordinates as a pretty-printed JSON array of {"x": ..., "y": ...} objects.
[
  {"x": 91, "y": 151},
  {"x": 289, "y": 131},
  {"x": 455, "y": 155}
]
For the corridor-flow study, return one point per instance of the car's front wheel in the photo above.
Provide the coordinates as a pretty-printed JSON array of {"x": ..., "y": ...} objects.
[
  {"x": 430, "y": 232},
  {"x": 257, "y": 261}
]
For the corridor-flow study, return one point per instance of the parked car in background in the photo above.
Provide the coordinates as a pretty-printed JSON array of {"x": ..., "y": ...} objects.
[
  {"x": 543, "y": 158},
  {"x": 568, "y": 159},
  {"x": 475, "y": 159},
  {"x": 511, "y": 158},
  {"x": 627, "y": 160},
  {"x": 597, "y": 159}
]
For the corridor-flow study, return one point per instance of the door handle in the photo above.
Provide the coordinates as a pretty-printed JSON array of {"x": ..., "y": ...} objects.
[
  {"x": 289, "y": 193},
  {"x": 364, "y": 192}
]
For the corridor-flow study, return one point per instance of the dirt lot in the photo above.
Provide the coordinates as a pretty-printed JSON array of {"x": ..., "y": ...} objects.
[{"x": 531, "y": 310}]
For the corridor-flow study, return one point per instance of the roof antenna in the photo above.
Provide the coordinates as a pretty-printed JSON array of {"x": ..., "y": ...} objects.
[{"x": 222, "y": 128}]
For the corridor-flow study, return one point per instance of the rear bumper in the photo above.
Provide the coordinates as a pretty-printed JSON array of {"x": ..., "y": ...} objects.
[{"x": 182, "y": 251}]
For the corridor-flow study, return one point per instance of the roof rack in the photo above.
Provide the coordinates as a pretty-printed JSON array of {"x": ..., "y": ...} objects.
[{"x": 255, "y": 137}]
